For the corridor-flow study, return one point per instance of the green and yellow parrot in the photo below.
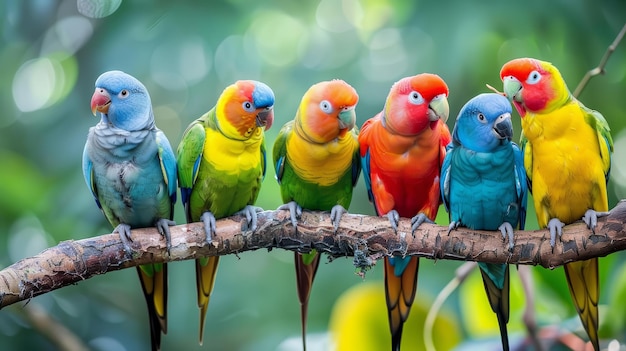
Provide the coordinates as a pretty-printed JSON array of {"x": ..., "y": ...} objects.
[
  {"x": 317, "y": 165},
  {"x": 221, "y": 164},
  {"x": 567, "y": 156}
]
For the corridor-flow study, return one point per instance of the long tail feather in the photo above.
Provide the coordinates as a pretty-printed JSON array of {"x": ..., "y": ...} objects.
[
  {"x": 498, "y": 299},
  {"x": 400, "y": 288},
  {"x": 305, "y": 273},
  {"x": 205, "y": 281},
  {"x": 154, "y": 285},
  {"x": 582, "y": 279}
]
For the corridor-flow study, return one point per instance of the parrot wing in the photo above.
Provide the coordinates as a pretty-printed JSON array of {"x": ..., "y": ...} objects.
[
  {"x": 279, "y": 152},
  {"x": 521, "y": 184},
  {"x": 597, "y": 122},
  {"x": 168, "y": 166},
  {"x": 364, "y": 153},
  {"x": 189, "y": 156}
]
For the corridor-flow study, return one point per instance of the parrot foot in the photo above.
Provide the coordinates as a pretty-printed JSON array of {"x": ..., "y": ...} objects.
[
  {"x": 295, "y": 212},
  {"x": 124, "y": 231},
  {"x": 394, "y": 218},
  {"x": 507, "y": 232},
  {"x": 163, "y": 226},
  {"x": 250, "y": 212},
  {"x": 209, "y": 225},
  {"x": 418, "y": 220},
  {"x": 335, "y": 215},
  {"x": 453, "y": 225},
  {"x": 556, "y": 227},
  {"x": 591, "y": 219}
]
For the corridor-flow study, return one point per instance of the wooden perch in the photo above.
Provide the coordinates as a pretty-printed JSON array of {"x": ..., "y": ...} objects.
[{"x": 366, "y": 238}]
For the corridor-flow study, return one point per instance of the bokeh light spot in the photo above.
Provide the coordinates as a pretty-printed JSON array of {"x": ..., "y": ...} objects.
[
  {"x": 278, "y": 37},
  {"x": 97, "y": 8},
  {"x": 44, "y": 81},
  {"x": 68, "y": 34}
]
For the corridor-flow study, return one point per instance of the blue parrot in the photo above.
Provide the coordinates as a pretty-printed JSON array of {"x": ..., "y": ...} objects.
[
  {"x": 483, "y": 186},
  {"x": 130, "y": 168}
]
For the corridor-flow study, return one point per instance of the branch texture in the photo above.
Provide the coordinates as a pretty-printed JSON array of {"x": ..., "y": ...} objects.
[{"x": 366, "y": 238}]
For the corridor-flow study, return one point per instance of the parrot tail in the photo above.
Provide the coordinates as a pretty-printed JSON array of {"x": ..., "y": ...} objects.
[
  {"x": 582, "y": 279},
  {"x": 153, "y": 278},
  {"x": 498, "y": 297},
  {"x": 206, "y": 270},
  {"x": 306, "y": 267},
  {"x": 400, "y": 288}
]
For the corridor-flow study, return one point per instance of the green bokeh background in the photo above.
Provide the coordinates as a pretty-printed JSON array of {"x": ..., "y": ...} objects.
[{"x": 186, "y": 52}]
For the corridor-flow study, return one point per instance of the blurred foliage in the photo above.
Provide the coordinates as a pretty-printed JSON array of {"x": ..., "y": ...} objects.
[{"x": 186, "y": 52}]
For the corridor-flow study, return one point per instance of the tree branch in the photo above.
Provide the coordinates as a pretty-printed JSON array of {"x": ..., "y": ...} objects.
[
  {"x": 600, "y": 68},
  {"x": 366, "y": 238}
]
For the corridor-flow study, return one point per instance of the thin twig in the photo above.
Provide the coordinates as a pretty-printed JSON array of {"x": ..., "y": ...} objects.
[{"x": 600, "y": 69}]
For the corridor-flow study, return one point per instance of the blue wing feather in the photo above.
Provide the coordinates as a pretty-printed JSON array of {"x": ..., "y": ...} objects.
[
  {"x": 521, "y": 183},
  {"x": 365, "y": 165},
  {"x": 168, "y": 164}
]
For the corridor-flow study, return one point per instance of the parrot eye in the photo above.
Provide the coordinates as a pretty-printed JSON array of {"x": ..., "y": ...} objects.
[
  {"x": 247, "y": 106},
  {"x": 533, "y": 78},
  {"x": 481, "y": 117},
  {"x": 123, "y": 94},
  {"x": 416, "y": 98},
  {"x": 326, "y": 106}
]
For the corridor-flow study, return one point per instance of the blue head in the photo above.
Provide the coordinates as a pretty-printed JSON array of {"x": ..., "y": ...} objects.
[
  {"x": 122, "y": 101},
  {"x": 484, "y": 123}
]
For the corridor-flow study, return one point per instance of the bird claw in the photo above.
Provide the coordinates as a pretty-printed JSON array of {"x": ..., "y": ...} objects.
[
  {"x": 591, "y": 219},
  {"x": 418, "y": 220},
  {"x": 335, "y": 215},
  {"x": 209, "y": 225},
  {"x": 295, "y": 211},
  {"x": 453, "y": 225},
  {"x": 507, "y": 232},
  {"x": 556, "y": 227},
  {"x": 163, "y": 226},
  {"x": 124, "y": 232},
  {"x": 250, "y": 212},
  {"x": 394, "y": 218}
]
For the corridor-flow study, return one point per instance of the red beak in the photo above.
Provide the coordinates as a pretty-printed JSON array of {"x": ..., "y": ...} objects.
[{"x": 100, "y": 101}]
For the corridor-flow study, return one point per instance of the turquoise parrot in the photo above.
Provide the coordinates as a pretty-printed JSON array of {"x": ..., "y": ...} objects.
[
  {"x": 402, "y": 149},
  {"x": 483, "y": 186},
  {"x": 316, "y": 157},
  {"x": 221, "y": 165},
  {"x": 567, "y": 155},
  {"x": 130, "y": 168}
]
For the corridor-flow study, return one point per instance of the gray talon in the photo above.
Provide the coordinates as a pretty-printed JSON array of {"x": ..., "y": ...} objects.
[
  {"x": 295, "y": 211},
  {"x": 394, "y": 218},
  {"x": 418, "y": 220},
  {"x": 556, "y": 228},
  {"x": 163, "y": 226},
  {"x": 250, "y": 212},
  {"x": 507, "y": 232},
  {"x": 209, "y": 225},
  {"x": 124, "y": 232},
  {"x": 335, "y": 215},
  {"x": 453, "y": 225}
]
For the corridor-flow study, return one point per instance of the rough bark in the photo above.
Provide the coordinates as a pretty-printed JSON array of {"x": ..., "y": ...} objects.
[{"x": 365, "y": 238}]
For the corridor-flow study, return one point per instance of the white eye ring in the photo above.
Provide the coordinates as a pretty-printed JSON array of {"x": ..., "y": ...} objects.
[
  {"x": 533, "y": 77},
  {"x": 416, "y": 98},
  {"x": 248, "y": 106},
  {"x": 326, "y": 106},
  {"x": 123, "y": 94},
  {"x": 482, "y": 118}
]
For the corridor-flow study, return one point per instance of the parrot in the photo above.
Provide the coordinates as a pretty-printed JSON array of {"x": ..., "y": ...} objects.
[
  {"x": 567, "y": 151},
  {"x": 402, "y": 149},
  {"x": 130, "y": 168},
  {"x": 484, "y": 186},
  {"x": 316, "y": 158},
  {"x": 221, "y": 165}
]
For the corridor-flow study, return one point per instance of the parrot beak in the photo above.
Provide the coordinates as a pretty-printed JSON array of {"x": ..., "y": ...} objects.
[
  {"x": 512, "y": 91},
  {"x": 347, "y": 118},
  {"x": 265, "y": 118},
  {"x": 100, "y": 101},
  {"x": 438, "y": 109},
  {"x": 503, "y": 127}
]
